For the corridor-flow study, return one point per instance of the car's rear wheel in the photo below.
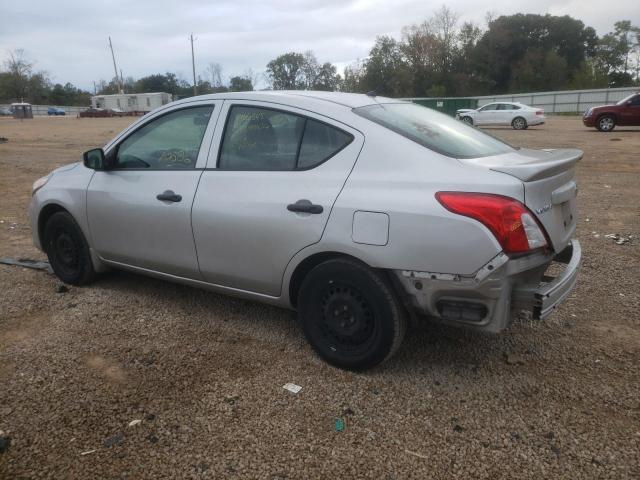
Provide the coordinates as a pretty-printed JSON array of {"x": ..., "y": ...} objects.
[
  {"x": 350, "y": 314},
  {"x": 606, "y": 123},
  {"x": 467, "y": 120},
  {"x": 67, "y": 250},
  {"x": 519, "y": 123}
]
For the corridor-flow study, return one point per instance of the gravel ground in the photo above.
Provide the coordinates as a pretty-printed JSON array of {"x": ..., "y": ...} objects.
[{"x": 204, "y": 372}]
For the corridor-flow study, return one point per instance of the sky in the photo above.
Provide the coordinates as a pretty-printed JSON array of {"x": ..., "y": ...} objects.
[{"x": 69, "y": 38}]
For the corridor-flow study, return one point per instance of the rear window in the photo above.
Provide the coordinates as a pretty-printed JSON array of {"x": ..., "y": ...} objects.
[{"x": 434, "y": 130}]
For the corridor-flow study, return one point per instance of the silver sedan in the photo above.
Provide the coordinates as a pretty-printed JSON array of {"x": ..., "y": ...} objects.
[{"x": 363, "y": 213}]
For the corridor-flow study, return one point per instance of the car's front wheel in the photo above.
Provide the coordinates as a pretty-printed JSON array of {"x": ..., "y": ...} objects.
[
  {"x": 606, "y": 123},
  {"x": 67, "y": 249},
  {"x": 519, "y": 123},
  {"x": 350, "y": 314},
  {"x": 467, "y": 120}
]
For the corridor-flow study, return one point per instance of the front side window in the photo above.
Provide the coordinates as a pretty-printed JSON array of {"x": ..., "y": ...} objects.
[
  {"x": 490, "y": 107},
  {"x": 171, "y": 142},
  {"x": 434, "y": 130},
  {"x": 508, "y": 106},
  {"x": 264, "y": 139}
]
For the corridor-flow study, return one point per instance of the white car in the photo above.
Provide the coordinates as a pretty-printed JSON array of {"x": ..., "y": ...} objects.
[
  {"x": 519, "y": 116},
  {"x": 360, "y": 212}
]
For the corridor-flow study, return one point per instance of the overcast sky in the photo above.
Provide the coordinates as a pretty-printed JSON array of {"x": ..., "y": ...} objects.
[{"x": 68, "y": 39}]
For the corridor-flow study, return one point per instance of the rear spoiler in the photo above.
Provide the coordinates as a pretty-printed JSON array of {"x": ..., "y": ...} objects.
[{"x": 530, "y": 165}]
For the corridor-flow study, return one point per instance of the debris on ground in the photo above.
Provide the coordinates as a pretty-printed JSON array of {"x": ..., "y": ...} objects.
[
  {"x": 28, "y": 263},
  {"x": 133, "y": 423},
  {"x": 339, "y": 425},
  {"x": 4, "y": 139},
  {"x": 88, "y": 452},
  {"x": 457, "y": 428},
  {"x": 292, "y": 387},
  {"x": 619, "y": 239},
  {"x": 416, "y": 454},
  {"x": 513, "y": 359},
  {"x": 5, "y": 442},
  {"x": 62, "y": 289},
  {"x": 114, "y": 440}
]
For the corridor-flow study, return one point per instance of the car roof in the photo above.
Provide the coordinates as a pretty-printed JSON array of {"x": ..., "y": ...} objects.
[{"x": 297, "y": 97}]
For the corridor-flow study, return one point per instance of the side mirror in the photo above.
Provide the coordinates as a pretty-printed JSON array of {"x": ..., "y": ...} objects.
[{"x": 94, "y": 159}]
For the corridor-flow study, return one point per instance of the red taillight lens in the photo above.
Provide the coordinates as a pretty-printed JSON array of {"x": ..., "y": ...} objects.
[
  {"x": 513, "y": 225},
  {"x": 539, "y": 112}
]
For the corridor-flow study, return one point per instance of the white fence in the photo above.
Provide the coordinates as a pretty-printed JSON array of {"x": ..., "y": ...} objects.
[
  {"x": 567, "y": 101},
  {"x": 42, "y": 109}
]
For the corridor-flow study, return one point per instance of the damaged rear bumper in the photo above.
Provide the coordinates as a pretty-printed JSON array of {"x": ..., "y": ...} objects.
[{"x": 488, "y": 299}]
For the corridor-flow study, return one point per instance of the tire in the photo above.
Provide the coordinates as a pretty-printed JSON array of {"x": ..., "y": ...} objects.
[
  {"x": 519, "y": 123},
  {"x": 606, "y": 123},
  {"x": 467, "y": 120},
  {"x": 67, "y": 250},
  {"x": 350, "y": 315}
]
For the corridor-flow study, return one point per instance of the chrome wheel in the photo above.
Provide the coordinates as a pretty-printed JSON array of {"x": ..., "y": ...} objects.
[
  {"x": 519, "y": 123},
  {"x": 606, "y": 124}
]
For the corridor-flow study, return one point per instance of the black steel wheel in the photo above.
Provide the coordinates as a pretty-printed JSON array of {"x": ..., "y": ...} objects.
[
  {"x": 350, "y": 314},
  {"x": 67, "y": 249}
]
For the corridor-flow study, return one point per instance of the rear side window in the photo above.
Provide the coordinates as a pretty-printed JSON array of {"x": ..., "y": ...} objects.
[
  {"x": 434, "y": 130},
  {"x": 265, "y": 139}
]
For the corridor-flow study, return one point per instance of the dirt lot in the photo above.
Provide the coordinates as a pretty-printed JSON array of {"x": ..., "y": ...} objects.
[{"x": 204, "y": 372}]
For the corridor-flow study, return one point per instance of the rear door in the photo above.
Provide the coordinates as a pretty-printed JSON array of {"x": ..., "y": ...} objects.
[
  {"x": 272, "y": 177},
  {"x": 140, "y": 212}
]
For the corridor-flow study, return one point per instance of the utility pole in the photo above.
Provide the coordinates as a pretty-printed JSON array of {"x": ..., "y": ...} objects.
[
  {"x": 115, "y": 68},
  {"x": 122, "y": 80},
  {"x": 193, "y": 65}
]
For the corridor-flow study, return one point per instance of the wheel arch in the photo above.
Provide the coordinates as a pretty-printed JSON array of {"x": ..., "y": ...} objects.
[
  {"x": 45, "y": 214},
  {"x": 309, "y": 263},
  {"x": 608, "y": 114}
]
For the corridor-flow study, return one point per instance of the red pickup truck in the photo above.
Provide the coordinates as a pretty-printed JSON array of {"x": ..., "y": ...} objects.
[{"x": 605, "y": 118}]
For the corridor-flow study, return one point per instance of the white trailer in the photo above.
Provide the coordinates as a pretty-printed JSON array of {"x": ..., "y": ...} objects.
[{"x": 131, "y": 102}]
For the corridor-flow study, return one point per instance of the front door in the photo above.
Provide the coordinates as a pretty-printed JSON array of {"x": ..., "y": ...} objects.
[
  {"x": 275, "y": 177},
  {"x": 139, "y": 211},
  {"x": 487, "y": 115},
  {"x": 630, "y": 112}
]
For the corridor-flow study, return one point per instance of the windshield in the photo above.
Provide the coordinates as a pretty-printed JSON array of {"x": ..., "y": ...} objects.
[
  {"x": 626, "y": 99},
  {"x": 434, "y": 130}
]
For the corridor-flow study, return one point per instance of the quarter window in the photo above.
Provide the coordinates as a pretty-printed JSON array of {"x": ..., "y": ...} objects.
[
  {"x": 320, "y": 142},
  {"x": 264, "y": 139},
  {"x": 171, "y": 142}
]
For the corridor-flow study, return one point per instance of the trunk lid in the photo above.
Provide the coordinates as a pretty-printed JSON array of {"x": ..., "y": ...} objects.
[{"x": 550, "y": 189}]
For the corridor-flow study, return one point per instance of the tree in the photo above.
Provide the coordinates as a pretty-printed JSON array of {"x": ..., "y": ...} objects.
[
  {"x": 503, "y": 48},
  {"x": 18, "y": 74},
  {"x": 353, "y": 75},
  {"x": 385, "y": 71},
  {"x": 214, "y": 71},
  {"x": 240, "y": 84},
  {"x": 286, "y": 72}
]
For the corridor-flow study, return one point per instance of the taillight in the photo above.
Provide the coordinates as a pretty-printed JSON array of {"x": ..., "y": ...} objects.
[
  {"x": 540, "y": 112},
  {"x": 512, "y": 223}
]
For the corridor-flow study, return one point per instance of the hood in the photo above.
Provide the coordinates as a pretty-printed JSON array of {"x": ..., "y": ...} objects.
[{"x": 465, "y": 110}]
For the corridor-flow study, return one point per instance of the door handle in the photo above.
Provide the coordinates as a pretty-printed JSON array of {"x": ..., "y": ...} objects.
[
  {"x": 305, "y": 206},
  {"x": 169, "y": 196}
]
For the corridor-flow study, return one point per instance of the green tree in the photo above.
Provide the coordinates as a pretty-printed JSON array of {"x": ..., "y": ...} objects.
[
  {"x": 240, "y": 84},
  {"x": 386, "y": 71},
  {"x": 286, "y": 72}
]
